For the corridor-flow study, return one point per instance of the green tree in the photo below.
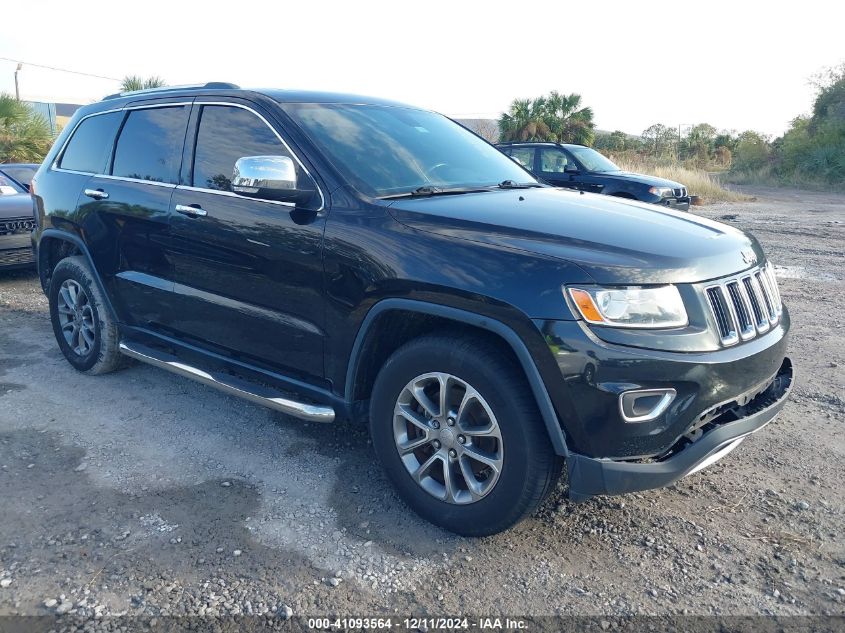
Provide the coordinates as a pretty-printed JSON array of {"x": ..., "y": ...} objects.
[
  {"x": 524, "y": 121},
  {"x": 24, "y": 135},
  {"x": 555, "y": 117},
  {"x": 567, "y": 120},
  {"x": 616, "y": 141},
  {"x": 659, "y": 139},
  {"x": 726, "y": 139},
  {"x": 131, "y": 83},
  {"x": 700, "y": 141},
  {"x": 752, "y": 151},
  {"x": 814, "y": 148}
]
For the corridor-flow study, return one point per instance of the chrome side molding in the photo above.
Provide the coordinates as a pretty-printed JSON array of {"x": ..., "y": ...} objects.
[{"x": 253, "y": 392}]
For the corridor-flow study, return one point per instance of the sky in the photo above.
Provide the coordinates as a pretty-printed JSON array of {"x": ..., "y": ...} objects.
[{"x": 736, "y": 64}]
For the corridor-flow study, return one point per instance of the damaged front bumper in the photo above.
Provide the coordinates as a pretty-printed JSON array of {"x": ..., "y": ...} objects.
[{"x": 733, "y": 421}]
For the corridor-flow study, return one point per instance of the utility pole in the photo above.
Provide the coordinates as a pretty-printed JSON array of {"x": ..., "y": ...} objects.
[{"x": 17, "y": 89}]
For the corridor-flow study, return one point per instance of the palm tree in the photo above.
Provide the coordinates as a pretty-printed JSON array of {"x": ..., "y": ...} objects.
[
  {"x": 524, "y": 121},
  {"x": 568, "y": 122},
  {"x": 555, "y": 117},
  {"x": 131, "y": 83},
  {"x": 24, "y": 135}
]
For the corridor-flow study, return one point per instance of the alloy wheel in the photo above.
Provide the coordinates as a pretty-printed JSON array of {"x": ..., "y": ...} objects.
[
  {"x": 76, "y": 317},
  {"x": 448, "y": 438}
]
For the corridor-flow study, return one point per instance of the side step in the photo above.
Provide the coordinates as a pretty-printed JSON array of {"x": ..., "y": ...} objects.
[{"x": 229, "y": 384}]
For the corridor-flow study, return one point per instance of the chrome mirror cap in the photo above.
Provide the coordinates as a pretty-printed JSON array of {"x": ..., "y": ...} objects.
[{"x": 253, "y": 174}]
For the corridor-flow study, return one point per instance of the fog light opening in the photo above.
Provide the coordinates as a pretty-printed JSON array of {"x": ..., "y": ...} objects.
[{"x": 643, "y": 405}]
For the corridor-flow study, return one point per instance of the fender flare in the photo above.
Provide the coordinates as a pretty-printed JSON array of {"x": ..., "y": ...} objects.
[
  {"x": 80, "y": 244},
  {"x": 538, "y": 387}
]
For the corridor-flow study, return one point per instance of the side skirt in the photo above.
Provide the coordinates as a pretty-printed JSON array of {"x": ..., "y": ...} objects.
[{"x": 252, "y": 391}]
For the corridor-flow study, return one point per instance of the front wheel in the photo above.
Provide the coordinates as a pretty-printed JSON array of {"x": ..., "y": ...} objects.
[{"x": 458, "y": 432}]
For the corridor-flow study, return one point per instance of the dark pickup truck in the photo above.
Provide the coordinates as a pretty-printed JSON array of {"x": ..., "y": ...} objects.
[{"x": 342, "y": 257}]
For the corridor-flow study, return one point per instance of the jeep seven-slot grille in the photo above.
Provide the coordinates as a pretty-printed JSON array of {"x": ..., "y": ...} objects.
[{"x": 746, "y": 305}]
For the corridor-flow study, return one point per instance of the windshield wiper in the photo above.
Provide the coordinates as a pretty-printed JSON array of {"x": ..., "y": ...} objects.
[
  {"x": 428, "y": 190},
  {"x": 511, "y": 184}
]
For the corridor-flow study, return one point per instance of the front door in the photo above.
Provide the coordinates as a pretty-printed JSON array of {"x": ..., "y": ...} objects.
[
  {"x": 558, "y": 168},
  {"x": 248, "y": 273}
]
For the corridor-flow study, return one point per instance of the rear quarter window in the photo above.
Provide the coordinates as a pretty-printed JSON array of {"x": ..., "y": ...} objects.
[{"x": 89, "y": 146}]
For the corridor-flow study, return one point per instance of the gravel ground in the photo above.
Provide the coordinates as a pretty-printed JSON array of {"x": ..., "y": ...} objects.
[{"x": 141, "y": 493}]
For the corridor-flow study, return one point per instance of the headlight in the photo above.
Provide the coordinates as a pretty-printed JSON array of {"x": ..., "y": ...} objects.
[
  {"x": 632, "y": 307},
  {"x": 663, "y": 192}
]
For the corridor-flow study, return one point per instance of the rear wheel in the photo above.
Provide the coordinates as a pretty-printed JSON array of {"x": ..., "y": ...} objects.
[
  {"x": 457, "y": 430},
  {"x": 84, "y": 329}
]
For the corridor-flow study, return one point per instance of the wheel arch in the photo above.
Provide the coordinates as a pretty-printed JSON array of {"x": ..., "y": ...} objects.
[
  {"x": 357, "y": 369},
  {"x": 55, "y": 245}
]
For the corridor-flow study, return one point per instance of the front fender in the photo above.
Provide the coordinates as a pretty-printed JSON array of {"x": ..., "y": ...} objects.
[{"x": 505, "y": 332}]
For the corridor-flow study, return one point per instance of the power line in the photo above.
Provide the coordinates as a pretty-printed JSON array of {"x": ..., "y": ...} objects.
[{"x": 61, "y": 70}]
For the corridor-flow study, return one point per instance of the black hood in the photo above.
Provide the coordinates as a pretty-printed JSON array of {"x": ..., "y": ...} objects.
[
  {"x": 651, "y": 181},
  {"x": 612, "y": 239}
]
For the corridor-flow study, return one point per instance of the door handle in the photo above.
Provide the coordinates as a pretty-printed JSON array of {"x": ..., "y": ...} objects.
[
  {"x": 97, "y": 194},
  {"x": 193, "y": 210}
]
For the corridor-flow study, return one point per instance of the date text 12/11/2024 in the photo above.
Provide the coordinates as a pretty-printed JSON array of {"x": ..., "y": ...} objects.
[{"x": 422, "y": 623}]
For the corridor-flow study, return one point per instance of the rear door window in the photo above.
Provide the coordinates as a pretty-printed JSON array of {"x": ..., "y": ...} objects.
[
  {"x": 524, "y": 156},
  {"x": 150, "y": 144},
  {"x": 90, "y": 144}
]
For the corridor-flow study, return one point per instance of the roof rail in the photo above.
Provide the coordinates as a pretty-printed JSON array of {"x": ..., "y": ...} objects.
[{"x": 213, "y": 85}]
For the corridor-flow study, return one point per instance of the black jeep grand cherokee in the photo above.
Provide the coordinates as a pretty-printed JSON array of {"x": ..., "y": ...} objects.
[{"x": 342, "y": 257}]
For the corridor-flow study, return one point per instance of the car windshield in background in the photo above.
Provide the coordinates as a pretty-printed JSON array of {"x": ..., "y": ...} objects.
[
  {"x": 592, "y": 160},
  {"x": 389, "y": 150},
  {"x": 9, "y": 187},
  {"x": 22, "y": 173}
]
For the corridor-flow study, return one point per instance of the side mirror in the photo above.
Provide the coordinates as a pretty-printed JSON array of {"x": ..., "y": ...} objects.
[
  {"x": 268, "y": 177},
  {"x": 570, "y": 168}
]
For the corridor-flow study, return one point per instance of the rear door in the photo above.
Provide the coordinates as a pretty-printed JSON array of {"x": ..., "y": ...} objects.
[
  {"x": 127, "y": 210},
  {"x": 248, "y": 272}
]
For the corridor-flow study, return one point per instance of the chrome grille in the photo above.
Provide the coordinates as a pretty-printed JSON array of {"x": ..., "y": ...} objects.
[
  {"x": 746, "y": 305},
  {"x": 727, "y": 331},
  {"x": 17, "y": 225},
  {"x": 742, "y": 309},
  {"x": 680, "y": 193}
]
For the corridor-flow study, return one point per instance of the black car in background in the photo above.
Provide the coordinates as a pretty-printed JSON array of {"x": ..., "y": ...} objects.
[
  {"x": 583, "y": 168},
  {"x": 16, "y": 224},
  {"x": 21, "y": 173}
]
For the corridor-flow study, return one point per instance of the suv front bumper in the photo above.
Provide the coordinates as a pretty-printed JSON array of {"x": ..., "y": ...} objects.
[
  {"x": 680, "y": 204},
  {"x": 590, "y": 476}
]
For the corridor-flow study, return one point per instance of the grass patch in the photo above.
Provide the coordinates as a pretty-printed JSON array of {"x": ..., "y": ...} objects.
[
  {"x": 768, "y": 177},
  {"x": 697, "y": 181}
]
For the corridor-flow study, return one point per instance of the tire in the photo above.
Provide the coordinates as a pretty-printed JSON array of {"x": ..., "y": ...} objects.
[
  {"x": 478, "y": 372},
  {"x": 92, "y": 342}
]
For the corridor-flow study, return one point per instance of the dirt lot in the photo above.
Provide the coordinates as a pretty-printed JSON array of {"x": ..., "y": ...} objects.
[{"x": 143, "y": 493}]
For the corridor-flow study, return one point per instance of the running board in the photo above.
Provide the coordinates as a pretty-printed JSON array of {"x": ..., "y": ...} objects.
[{"x": 229, "y": 384}]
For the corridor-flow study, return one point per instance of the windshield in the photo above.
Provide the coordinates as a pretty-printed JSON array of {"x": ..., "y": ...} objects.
[
  {"x": 388, "y": 150},
  {"x": 9, "y": 187},
  {"x": 592, "y": 160},
  {"x": 22, "y": 173}
]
